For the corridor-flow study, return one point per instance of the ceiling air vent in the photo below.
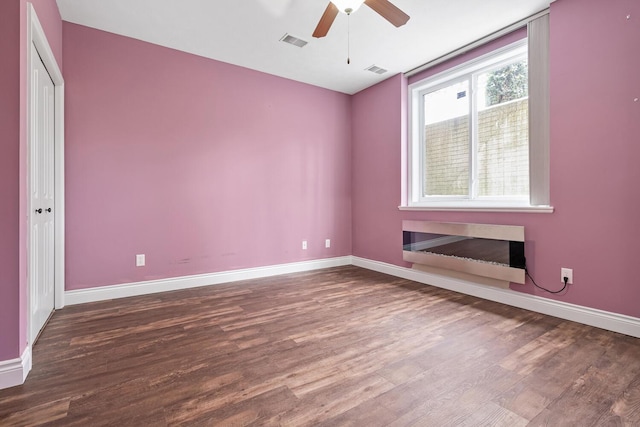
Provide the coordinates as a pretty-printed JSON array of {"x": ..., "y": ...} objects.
[
  {"x": 293, "y": 40},
  {"x": 376, "y": 69}
]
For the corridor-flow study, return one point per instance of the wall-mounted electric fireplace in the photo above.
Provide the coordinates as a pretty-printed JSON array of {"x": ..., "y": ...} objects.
[{"x": 491, "y": 251}]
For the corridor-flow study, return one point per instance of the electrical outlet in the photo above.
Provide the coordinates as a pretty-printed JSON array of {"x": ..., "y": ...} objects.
[
  {"x": 327, "y": 243},
  {"x": 140, "y": 261},
  {"x": 568, "y": 273},
  {"x": 304, "y": 245}
]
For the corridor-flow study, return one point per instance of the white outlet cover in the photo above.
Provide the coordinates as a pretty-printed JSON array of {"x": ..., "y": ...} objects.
[
  {"x": 140, "y": 260},
  {"x": 327, "y": 243},
  {"x": 304, "y": 244},
  {"x": 568, "y": 273}
]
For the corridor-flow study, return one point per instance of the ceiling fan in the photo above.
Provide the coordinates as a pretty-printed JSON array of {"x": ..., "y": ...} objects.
[{"x": 383, "y": 7}]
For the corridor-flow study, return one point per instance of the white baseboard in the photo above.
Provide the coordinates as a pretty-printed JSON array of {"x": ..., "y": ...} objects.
[
  {"x": 102, "y": 293},
  {"x": 14, "y": 372},
  {"x": 589, "y": 316}
]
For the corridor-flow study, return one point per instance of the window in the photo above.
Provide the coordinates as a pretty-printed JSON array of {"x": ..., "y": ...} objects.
[
  {"x": 471, "y": 146},
  {"x": 472, "y": 136}
]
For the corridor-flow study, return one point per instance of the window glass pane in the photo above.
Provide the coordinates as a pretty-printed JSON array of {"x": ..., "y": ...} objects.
[
  {"x": 447, "y": 141},
  {"x": 503, "y": 131},
  {"x": 471, "y": 124}
]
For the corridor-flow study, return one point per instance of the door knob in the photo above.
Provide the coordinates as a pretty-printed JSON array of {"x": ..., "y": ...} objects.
[
  {"x": 39, "y": 210},
  {"x": 48, "y": 209}
]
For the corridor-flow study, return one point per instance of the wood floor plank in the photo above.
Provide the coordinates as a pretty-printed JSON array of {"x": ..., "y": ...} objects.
[
  {"x": 626, "y": 408},
  {"x": 593, "y": 393},
  {"x": 50, "y": 411},
  {"x": 556, "y": 374},
  {"x": 528, "y": 357},
  {"x": 329, "y": 401},
  {"x": 336, "y": 347},
  {"x": 490, "y": 414}
]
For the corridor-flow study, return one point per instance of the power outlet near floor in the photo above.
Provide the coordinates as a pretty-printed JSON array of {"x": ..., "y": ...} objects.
[
  {"x": 568, "y": 273},
  {"x": 327, "y": 243},
  {"x": 304, "y": 245},
  {"x": 140, "y": 260}
]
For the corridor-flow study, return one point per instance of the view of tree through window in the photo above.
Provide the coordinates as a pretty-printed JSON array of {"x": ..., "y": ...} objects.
[
  {"x": 507, "y": 84},
  {"x": 503, "y": 132}
]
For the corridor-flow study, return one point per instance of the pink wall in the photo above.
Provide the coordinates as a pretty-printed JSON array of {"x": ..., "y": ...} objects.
[
  {"x": 376, "y": 147},
  {"x": 200, "y": 165},
  {"x": 13, "y": 149},
  {"x": 594, "y": 163},
  {"x": 9, "y": 178},
  {"x": 208, "y": 167},
  {"x": 505, "y": 40}
]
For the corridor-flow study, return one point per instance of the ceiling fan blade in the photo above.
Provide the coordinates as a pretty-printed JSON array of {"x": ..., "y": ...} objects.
[
  {"x": 327, "y": 19},
  {"x": 388, "y": 11}
]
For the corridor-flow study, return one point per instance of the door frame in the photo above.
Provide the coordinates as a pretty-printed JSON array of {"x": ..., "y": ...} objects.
[{"x": 36, "y": 39}]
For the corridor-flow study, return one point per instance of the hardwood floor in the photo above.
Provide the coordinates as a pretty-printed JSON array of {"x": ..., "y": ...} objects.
[{"x": 337, "y": 347}]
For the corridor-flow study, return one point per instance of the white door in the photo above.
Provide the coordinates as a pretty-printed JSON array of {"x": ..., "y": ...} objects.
[{"x": 42, "y": 209}]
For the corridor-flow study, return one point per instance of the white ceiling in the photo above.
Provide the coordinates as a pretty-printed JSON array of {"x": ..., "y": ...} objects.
[{"x": 247, "y": 33}]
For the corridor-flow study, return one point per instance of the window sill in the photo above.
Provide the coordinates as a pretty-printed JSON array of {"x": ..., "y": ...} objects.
[{"x": 469, "y": 208}]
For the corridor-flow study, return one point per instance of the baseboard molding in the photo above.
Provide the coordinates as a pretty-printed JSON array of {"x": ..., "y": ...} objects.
[
  {"x": 589, "y": 316},
  {"x": 14, "y": 372},
  {"x": 102, "y": 293}
]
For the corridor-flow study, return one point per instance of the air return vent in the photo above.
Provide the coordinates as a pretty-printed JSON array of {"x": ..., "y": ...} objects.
[
  {"x": 293, "y": 40},
  {"x": 376, "y": 69}
]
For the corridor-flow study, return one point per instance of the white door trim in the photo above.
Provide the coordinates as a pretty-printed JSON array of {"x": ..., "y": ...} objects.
[{"x": 36, "y": 39}]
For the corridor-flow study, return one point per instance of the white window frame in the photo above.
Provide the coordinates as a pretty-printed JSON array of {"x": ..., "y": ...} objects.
[
  {"x": 464, "y": 72},
  {"x": 539, "y": 200}
]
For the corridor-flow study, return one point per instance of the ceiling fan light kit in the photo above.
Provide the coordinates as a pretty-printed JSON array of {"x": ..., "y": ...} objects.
[{"x": 347, "y": 6}]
